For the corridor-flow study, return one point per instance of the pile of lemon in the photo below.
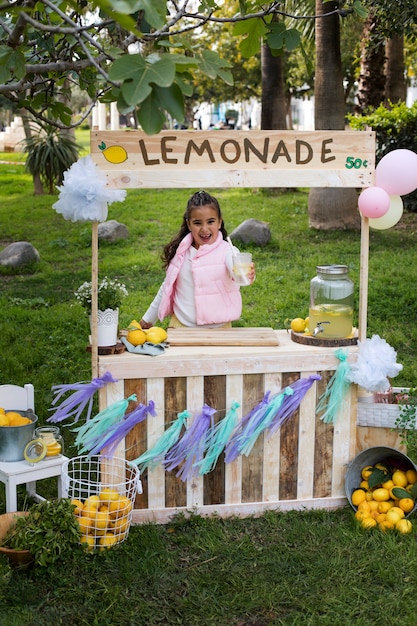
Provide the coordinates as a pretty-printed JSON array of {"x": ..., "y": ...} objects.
[
  {"x": 12, "y": 418},
  {"x": 104, "y": 519},
  {"x": 385, "y": 505},
  {"x": 136, "y": 335}
]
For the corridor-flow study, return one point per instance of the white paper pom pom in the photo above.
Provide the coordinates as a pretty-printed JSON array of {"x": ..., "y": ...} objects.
[
  {"x": 376, "y": 363},
  {"x": 84, "y": 196}
]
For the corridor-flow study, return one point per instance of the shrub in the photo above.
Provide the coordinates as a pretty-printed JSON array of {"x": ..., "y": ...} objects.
[{"x": 395, "y": 127}]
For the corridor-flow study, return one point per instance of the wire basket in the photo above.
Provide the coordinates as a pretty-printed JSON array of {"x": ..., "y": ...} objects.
[{"x": 104, "y": 491}]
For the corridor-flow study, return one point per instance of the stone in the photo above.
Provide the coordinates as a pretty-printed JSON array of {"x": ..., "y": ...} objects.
[
  {"x": 18, "y": 254},
  {"x": 252, "y": 231},
  {"x": 112, "y": 231}
]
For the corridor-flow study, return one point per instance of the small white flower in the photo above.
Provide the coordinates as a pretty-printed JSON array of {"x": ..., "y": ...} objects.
[{"x": 111, "y": 292}]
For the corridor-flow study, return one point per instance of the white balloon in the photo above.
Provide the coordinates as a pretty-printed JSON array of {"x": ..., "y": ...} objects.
[{"x": 391, "y": 217}]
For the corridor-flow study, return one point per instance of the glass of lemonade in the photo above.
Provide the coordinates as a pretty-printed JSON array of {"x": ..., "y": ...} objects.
[{"x": 241, "y": 267}]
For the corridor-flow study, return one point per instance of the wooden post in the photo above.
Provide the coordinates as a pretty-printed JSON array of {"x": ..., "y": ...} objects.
[
  {"x": 363, "y": 280},
  {"x": 94, "y": 299}
]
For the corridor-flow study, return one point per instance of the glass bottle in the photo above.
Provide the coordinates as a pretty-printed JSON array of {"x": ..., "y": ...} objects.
[
  {"x": 331, "y": 302},
  {"x": 52, "y": 438}
]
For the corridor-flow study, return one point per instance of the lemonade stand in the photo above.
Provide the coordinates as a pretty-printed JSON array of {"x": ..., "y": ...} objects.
[{"x": 302, "y": 462}]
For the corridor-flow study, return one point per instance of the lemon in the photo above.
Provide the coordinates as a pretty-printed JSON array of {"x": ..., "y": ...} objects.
[
  {"x": 366, "y": 472},
  {"x": 368, "y": 522},
  {"x": 156, "y": 334},
  {"x": 411, "y": 476},
  {"x": 107, "y": 541},
  {"x": 102, "y": 520},
  {"x": 114, "y": 154},
  {"x": 108, "y": 494},
  {"x": 406, "y": 504},
  {"x": 384, "y": 506},
  {"x": 394, "y": 516},
  {"x": 53, "y": 449},
  {"x": 78, "y": 506},
  {"x": 381, "y": 494},
  {"x": 399, "y": 478},
  {"x": 92, "y": 501},
  {"x": 88, "y": 542},
  {"x": 404, "y": 526},
  {"x": 298, "y": 325},
  {"x": 4, "y": 420},
  {"x": 136, "y": 337},
  {"x": 85, "y": 524}
]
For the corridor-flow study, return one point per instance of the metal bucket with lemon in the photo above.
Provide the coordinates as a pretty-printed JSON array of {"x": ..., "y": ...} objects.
[{"x": 16, "y": 430}]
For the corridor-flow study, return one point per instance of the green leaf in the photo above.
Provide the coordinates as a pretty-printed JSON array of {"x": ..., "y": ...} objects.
[
  {"x": 280, "y": 37},
  {"x": 414, "y": 491},
  {"x": 138, "y": 74},
  {"x": 150, "y": 117},
  {"x": 359, "y": 9},
  {"x": 399, "y": 493},
  {"x": 155, "y": 10},
  {"x": 254, "y": 29},
  {"x": 170, "y": 99},
  {"x": 212, "y": 65},
  {"x": 377, "y": 477}
]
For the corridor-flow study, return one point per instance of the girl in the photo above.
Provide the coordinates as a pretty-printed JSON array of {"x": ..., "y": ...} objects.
[{"x": 199, "y": 288}]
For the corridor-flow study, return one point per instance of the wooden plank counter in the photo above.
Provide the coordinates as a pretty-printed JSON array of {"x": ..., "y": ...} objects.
[{"x": 301, "y": 466}]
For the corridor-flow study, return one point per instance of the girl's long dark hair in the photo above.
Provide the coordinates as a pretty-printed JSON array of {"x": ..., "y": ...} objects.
[{"x": 201, "y": 198}]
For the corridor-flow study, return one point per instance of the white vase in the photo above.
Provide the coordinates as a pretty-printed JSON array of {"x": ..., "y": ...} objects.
[{"x": 107, "y": 327}]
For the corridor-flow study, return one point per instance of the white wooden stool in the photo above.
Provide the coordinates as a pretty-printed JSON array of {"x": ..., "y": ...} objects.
[{"x": 16, "y": 473}]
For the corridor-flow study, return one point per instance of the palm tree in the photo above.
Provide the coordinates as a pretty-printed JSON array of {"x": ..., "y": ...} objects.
[{"x": 330, "y": 208}]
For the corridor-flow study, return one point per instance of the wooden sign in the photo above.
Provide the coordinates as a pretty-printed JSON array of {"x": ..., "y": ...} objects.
[{"x": 178, "y": 159}]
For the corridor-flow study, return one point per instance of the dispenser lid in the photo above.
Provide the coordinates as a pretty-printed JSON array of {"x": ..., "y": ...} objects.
[{"x": 332, "y": 269}]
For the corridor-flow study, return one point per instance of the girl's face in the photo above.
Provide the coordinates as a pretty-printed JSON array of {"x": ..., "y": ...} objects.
[{"x": 204, "y": 224}]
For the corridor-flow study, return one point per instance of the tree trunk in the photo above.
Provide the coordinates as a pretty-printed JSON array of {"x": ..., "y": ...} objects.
[
  {"x": 38, "y": 189},
  {"x": 371, "y": 88},
  {"x": 330, "y": 209},
  {"x": 273, "y": 116},
  {"x": 395, "y": 85}
]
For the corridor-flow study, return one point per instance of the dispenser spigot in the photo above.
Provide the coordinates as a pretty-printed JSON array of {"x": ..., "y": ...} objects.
[{"x": 319, "y": 328}]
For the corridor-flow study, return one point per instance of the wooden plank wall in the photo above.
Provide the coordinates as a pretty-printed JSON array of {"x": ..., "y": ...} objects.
[{"x": 300, "y": 466}]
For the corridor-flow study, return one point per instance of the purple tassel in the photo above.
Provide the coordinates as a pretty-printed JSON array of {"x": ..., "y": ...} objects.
[
  {"x": 189, "y": 450},
  {"x": 118, "y": 431},
  {"x": 76, "y": 403},
  {"x": 256, "y": 415},
  {"x": 292, "y": 402}
]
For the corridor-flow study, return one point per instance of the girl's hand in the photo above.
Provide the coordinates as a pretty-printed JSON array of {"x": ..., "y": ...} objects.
[
  {"x": 252, "y": 273},
  {"x": 145, "y": 324}
]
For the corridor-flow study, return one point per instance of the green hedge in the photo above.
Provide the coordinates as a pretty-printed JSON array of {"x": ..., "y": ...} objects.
[{"x": 395, "y": 127}]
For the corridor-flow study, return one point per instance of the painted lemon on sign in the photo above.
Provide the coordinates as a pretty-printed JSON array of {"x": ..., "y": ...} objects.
[{"x": 113, "y": 154}]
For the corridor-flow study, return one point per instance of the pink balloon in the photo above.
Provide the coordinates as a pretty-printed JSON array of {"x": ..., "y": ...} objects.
[
  {"x": 397, "y": 172},
  {"x": 373, "y": 202},
  {"x": 392, "y": 216}
]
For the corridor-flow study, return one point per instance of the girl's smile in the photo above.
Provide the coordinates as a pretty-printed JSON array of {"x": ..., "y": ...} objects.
[{"x": 204, "y": 225}]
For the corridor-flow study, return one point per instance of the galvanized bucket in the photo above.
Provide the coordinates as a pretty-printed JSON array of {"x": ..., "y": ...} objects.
[
  {"x": 371, "y": 456},
  {"x": 13, "y": 439}
]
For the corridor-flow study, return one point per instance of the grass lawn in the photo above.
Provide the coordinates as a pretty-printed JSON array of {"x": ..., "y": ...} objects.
[{"x": 280, "y": 569}]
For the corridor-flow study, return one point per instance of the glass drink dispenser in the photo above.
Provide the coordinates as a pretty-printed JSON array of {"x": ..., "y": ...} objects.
[{"x": 331, "y": 302}]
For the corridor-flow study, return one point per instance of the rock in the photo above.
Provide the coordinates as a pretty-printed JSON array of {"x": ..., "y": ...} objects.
[
  {"x": 112, "y": 231},
  {"x": 18, "y": 254},
  {"x": 252, "y": 231}
]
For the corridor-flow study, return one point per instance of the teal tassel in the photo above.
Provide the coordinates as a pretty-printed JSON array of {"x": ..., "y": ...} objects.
[
  {"x": 331, "y": 401},
  {"x": 100, "y": 424},
  {"x": 153, "y": 457},
  {"x": 218, "y": 439}
]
